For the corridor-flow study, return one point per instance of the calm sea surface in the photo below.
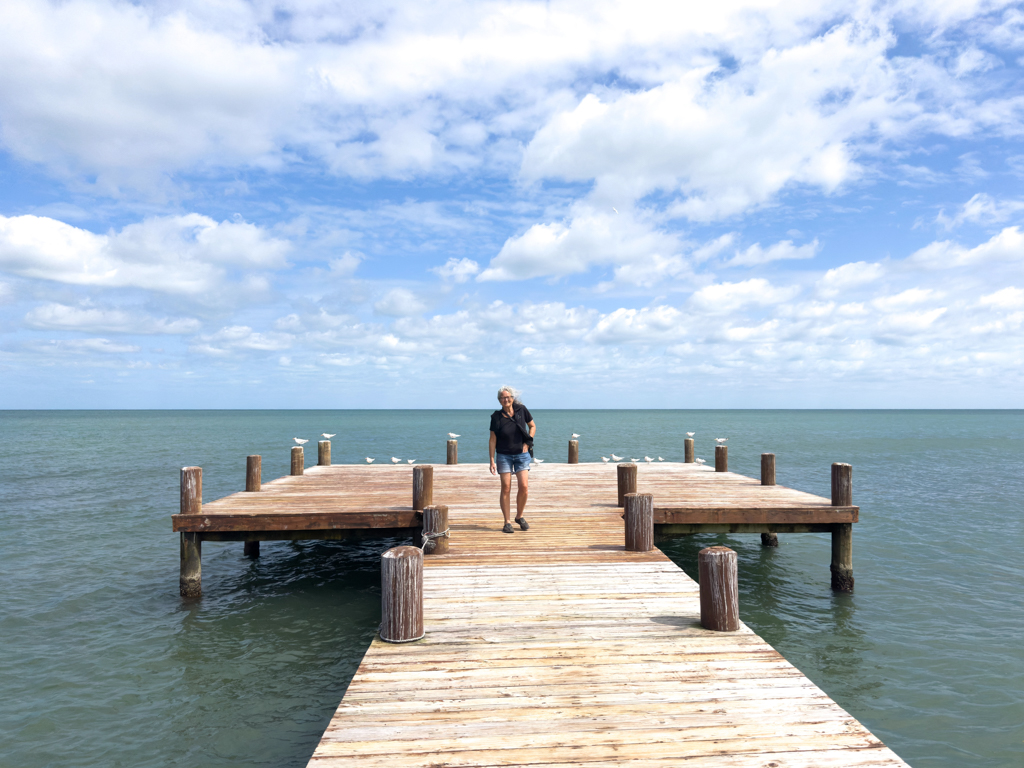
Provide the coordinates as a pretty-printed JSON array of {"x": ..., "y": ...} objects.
[{"x": 104, "y": 665}]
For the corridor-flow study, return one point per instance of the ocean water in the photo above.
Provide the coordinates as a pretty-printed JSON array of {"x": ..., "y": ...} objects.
[{"x": 104, "y": 664}]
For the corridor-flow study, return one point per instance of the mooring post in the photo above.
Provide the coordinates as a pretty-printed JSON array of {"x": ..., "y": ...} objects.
[
  {"x": 435, "y": 521},
  {"x": 574, "y": 451},
  {"x": 719, "y": 589},
  {"x": 688, "y": 450},
  {"x": 721, "y": 458},
  {"x": 639, "y": 522},
  {"x": 298, "y": 460},
  {"x": 401, "y": 600},
  {"x": 842, "y": 534},
  {"x": 768, "y": 478},
  {"x": 453, "y": 452},
  {"x": 190, "y": 578},
  {"x": 253, "y": 473},
  {"x": 422, "y": 487},
  {"x": 323, "y": 453},
  {"x": 627, "y": 481}
]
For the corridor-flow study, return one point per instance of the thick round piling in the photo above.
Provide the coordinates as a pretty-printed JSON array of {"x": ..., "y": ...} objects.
[
  {"x": 298, "y": 460},
  {"x": 639, "y": 522},
  {"x": 190, "y": 574},
  {"x": 435, "y": 521},
  {"x": 842, "y": 535},
  {"x": 251, "y": 549},
  {"x": 574, "y": 451},
  {"x": 323, "y": 453},
  {"x": 422, "y": 487},
  {"x": 767, "y": 469},
  {"x": 453, "y": 452},
  {"x": 627, "y": 481},
  {"x": 253, "y": 473},
  {"x": 721, "y": 458},
  {"x": 719, "y": 589},
  {"x": 688, "y": 450},
  {"x": 401, "y": 581}
]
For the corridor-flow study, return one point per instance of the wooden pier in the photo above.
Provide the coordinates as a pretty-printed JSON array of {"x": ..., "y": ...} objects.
[{"x": 555, "y": 646}]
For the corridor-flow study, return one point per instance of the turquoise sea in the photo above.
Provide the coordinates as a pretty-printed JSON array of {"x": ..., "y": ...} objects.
[{"x": 104, "y": 665}]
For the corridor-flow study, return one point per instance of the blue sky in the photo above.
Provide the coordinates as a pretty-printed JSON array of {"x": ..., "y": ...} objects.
[{"x": 319, "y": 204}]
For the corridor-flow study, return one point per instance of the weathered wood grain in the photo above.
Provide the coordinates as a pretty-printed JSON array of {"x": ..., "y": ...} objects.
[{"x": 719, "y": 589}]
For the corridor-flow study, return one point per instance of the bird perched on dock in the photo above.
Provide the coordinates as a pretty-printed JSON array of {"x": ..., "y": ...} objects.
[
  {"x": 660, "y": 459},
  {"x": 604, "y": 459},
  {"x": 721, "y": 440},
  {"x": 395, "y": 461},
  {"x": 409, "y": 461},
  {"x": 324, "y": 434},
  {"x": 648, "y": 459},
  {"x": 574, "y": 435},
  {"x": 699, "y": 461},
  {"x": 540, "y": 461},
  {"x": 634, "y": 460},
  {"x": 452, "y": 435},
  {"x": 369, "y": 460},
  {"x": 690, "y": 434},
  {"x": 300, "y": 441},
  {"x": 616, "y": 458}
]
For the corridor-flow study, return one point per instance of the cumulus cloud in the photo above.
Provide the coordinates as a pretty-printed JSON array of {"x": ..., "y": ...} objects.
[
  {"x": 457, "y": 270},
  {"x": 400, "y": 302},
  {"x": 188, "y": 254},
  {"x": 728, "y": 297},
  {"x": 96, "y": 320},
  {"x": 1008, "y": 245},
  {"x": 852, "y": 275},
  {"x": 982, "y": 209},
  {"x": 241, "y": 339},
  {"x": 755, "y": 254}
]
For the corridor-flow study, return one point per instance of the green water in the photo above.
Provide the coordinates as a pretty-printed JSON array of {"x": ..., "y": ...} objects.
[{"x": 104, "y": 665}]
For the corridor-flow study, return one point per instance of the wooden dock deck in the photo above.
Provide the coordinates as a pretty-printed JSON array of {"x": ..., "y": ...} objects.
[{"x": 555, "y": 646}]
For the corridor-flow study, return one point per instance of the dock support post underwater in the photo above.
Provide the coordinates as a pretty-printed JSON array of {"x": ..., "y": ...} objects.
[
  {"x": 842, "y": 535},
  {"x": 190, "y": 579},
  {"x": 768, "y": 478},
  {"x": 253, "y": 483}
]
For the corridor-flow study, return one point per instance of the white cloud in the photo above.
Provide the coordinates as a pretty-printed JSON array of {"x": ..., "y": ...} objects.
[
  {"x": 457, "y": 270},
  {"x": 907, "y": 298},
  {"x": 1005, "y": 298},
  {"x": 1008, "y": 245},
  {"x": 728, "y": 297},
  {"x": 241, "y": 338},
  {"x": 400, "y": 302},
  {"x": 852, "y": 275},
  {"x": 982, "y": 209},
  {"x": 86, "y": 346},
  {"x": 188, "y": 254},
  {"x": 95, "y": 320},
  {"x": 784, "y": 249},
  {"x": 346, "y": 264}
]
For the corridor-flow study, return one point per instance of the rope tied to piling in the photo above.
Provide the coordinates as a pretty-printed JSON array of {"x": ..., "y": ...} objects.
[{"x": 428, "y": 538}]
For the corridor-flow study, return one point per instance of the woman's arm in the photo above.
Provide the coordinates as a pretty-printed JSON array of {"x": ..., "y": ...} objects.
[
  {"x": 533, "y": 428},
  {"x": 490, "y": 449}
]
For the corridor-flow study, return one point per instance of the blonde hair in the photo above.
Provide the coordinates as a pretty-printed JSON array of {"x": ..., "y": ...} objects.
[{"x": 512, "y": 391}]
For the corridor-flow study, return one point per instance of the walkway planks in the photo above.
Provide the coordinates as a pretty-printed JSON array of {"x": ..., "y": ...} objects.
[{"x": 556, "y": 647}]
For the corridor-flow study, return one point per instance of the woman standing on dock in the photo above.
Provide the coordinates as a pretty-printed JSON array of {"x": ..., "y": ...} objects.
[{"x": 512, "y": 431}]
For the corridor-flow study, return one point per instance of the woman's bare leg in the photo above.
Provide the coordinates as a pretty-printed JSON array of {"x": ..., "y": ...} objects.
[
  {"x": 523, "y": 485},
  {"x": 506, "y": 495}
]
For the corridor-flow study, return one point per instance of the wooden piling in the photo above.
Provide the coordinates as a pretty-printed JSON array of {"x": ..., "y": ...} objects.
[
  {"x": 688, "y": 450},
  {"x": 401, "y": 580},
  {"x": 767, "y": 469},
  {"x": 639, "y": 522},
  {"x": 842, "y": 535},
  {"x": 719, "y": 589},
  {"x": 574, "y": 451},
  {"x": 251, "y": 549},
  {"x": 190, "y": 573},
  {"x": 721, "y": 458},
  {"x": 453, "y": 452},
  {"x": 253, "y": 473},
  {"x": 298, "y": 460},
  {"x": 323, "y": 453},
  {"x": 435, "y": 520},
  {"x": 627, "y": 481},
  {"x": 422, "y": 487}
]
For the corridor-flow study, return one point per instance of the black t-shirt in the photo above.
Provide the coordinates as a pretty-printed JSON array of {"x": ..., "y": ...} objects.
[{"x": 510, "y": 437}]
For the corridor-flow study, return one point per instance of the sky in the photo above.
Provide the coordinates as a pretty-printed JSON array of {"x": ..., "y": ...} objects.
[{"x": 315, "y": 204}]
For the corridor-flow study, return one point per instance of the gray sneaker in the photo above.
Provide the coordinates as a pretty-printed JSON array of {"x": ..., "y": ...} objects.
[
  {"x": 522, "y": 523},
  {"x": 508, "y": 528}
]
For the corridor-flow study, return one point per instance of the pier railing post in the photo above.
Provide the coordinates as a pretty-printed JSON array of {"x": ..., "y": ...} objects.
[
  {"x": 453, "y": 452},
  {"x": 719, "y": 589},
  {"x": 253, "y": 483},
  {"x": 721, "y": 458},
  {"x": 627, "y": 481},
  {"x": 298, "y": 460},
  {"x": 768, "y": 478},
  {"x": 323, "y": 453},
  {"x": 574, "y": 451},
  {"x": 435, "y": 521},
  {"x": 842, "y": 534},
  {"x": 639, "y": 522},
  {"x": 190, "y": 578},
  {"x": 422, "y": 487},
  {"x": 688, "y": 450},
  {"x": 401, "y": 581}
]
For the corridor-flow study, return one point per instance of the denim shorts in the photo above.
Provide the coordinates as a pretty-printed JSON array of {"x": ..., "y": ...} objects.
[{"x": 512, "y": 462}]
